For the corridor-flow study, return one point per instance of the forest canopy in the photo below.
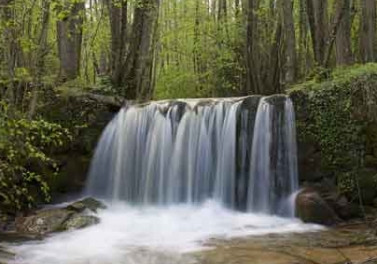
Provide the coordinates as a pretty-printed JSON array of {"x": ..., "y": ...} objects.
[{"x": 147, "y": 49}]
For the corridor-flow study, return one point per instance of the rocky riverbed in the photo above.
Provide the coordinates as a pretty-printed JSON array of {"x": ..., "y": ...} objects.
[{"x": 347, "y": 243}]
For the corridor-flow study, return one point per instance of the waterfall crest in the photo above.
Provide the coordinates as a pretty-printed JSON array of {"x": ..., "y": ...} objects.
[{"x": 241, "y": 152}]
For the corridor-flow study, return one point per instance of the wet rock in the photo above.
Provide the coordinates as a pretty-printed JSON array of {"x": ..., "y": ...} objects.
[
  {"x": 367, "y": 184},
  {"x": 15, "y": 237},
  {"x": 80, "y": 221},
  {"x": 87, "y": 203},
  {"x": 345, "y": 209},
  {"x": 6, "y": 256},
  {"x": 43, "y": 222},
  {"x": 312, "y": 208},
  {"x": 73, "y": 216}
]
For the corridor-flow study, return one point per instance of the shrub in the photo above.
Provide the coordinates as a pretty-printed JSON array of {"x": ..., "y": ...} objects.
[{"x": 25, "y": 164}]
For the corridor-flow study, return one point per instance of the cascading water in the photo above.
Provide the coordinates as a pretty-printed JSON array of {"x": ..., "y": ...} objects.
[
  {"x": 189, "y": 163},
  {"x": 188, "y": 152},
  {"x": 273, "y": 168}
]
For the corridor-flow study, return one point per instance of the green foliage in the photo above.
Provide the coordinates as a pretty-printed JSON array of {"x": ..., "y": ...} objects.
[
  {"x": 200, "y": 51},
  {"x": 24, "y": 159},
  {"x": 335, "y": 117}
]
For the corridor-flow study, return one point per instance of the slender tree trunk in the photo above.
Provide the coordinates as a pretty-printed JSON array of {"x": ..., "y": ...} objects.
[
  {"x": 304, "y": 57},
  {"x": 40, "y": 59},
  {"x": 251, "y": 48},
  {"x": 343, "y": 35},
  {"x": 9, "y": 51},
  {"x": 118, "y": 24},
  {"x": 69, "y": 33},
  {"x": 368, "y": 31},
  {"x": 137, "y": 77},
  {"x": 318, "y": 22},
  {"x": 289, "y": 41}
]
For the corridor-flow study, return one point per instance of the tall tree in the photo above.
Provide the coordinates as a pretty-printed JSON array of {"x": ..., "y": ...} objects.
[
  {"x": 69, "y": 34},
  {"x": 289, "y": 41},
  {"x": 343, "y": 34},
  {"x": 318, "y": 22},
  {"x": 138, "y": 67},
  {"x": 368, "y": 31},
  {"x": 118, "y": 13},
  {"x": 251, "y": 48}
]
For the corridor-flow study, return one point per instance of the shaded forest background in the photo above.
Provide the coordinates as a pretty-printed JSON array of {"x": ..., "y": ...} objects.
[
  {"x": 144, "y": 49},
  {"x": 157, "y": 49}
]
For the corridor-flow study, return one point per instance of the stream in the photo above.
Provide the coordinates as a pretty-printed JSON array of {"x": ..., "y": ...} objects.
[{"x": 175, "y": 234}]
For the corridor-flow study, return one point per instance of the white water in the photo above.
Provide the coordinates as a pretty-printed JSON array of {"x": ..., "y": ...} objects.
[
  {"x": 273, "y": 174},
  {"x": 168, "y": 159},
  {"x": 152, "y": 235},
  {"x": 180, "y": 152}
]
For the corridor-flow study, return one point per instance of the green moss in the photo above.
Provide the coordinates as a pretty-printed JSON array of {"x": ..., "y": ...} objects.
[{"x": 335, "y": 115}]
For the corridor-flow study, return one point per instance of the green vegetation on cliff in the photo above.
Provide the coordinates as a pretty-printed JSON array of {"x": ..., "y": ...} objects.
[
  {"x": 26, "y": 166},
  {"x": 338, "y": 117}
]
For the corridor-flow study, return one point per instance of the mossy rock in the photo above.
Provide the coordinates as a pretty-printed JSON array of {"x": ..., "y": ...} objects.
[
  {"x": 43, "y": 222},
  {"x": 73, "y": 216},
  {"x": 79, "y": 222},
  {"x": 87, "y": 203},
  {"x": 367, "y": 181}
]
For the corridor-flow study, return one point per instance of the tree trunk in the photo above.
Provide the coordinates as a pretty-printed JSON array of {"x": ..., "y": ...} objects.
[
  {"x": 42, "y": 52},
  {"x": 318, "y": 22},
  {"x": 9, "y": 50},
  {"x": 368, "y": 31},
  {"x": 118, "y": 24},
  {"x": 69, "y": 34},
  {"x": 251, "y": 48},
  {"x": 343, "y": 34},
  {"x": 289, "y": 41},
  {"x": 139, "y": 64}
]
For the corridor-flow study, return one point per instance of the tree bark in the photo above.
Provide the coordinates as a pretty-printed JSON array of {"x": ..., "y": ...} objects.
[
  {"x": 318, "y": 22},
  {"x": 118, "y": 24},
  {"x": 251, "y": 48},
  {"x": 42, "y": 52},
  {"x": 368, "y": 31},
  {"x": 289, "y": 41},
  {"x": 343, "y": 35},
  {"x": 138, "y": 67},
  {"x": 69, "y": 34}
]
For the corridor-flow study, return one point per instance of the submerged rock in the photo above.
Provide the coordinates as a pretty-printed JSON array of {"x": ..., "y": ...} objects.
[
  {"x": 312, "y": 208},
  {"x": 87, "y": 203},
  {"x": 73, "y": 216},
  {"x": 80, "y": 221},
  {"x": 5, "y": 255}
]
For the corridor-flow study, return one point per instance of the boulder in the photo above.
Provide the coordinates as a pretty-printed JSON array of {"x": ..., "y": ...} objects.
[
  {"x": 80, "y": 221},
  {"x": 73, "y": 216},
  {"x": 86, "y": 204},
  {"x": 342, "y": 206},
  {"x": 43, "y": 222},
  {"x": 6, "y": 256},
  {"x": 312, "y": 208}
]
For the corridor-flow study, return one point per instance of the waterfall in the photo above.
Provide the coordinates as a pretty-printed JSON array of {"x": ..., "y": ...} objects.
[
  {"x": 273, "y": 165},
  {"x": 238, "y": 151}
]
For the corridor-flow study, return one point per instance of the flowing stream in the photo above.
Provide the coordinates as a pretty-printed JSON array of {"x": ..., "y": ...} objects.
[{"x": 177, "y": 174}]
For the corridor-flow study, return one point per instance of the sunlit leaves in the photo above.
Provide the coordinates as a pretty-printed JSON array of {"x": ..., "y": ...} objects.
[{"x": 24, "y": 153}]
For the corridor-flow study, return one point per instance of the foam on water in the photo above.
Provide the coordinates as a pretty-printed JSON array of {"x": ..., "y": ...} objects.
[{"x": 128, "y": 235}]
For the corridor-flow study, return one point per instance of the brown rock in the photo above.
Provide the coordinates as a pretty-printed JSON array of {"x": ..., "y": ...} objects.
[{"x": 312, "y": 208}]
